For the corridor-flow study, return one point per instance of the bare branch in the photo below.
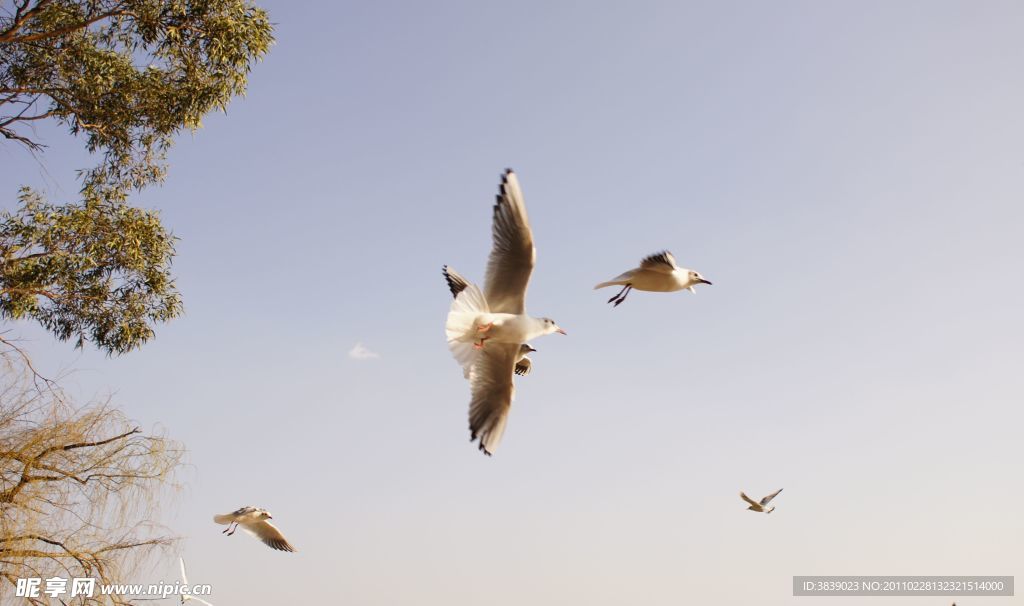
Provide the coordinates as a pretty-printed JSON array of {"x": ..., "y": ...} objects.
[
  {"x": 79, "y": 486},
  {"x": 23, "y": 118},
  {"x": 29, "y": 143}
]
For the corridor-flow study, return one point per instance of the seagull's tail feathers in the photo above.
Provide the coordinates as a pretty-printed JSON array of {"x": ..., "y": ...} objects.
[
  {"x": 463, "y": 314},
  {"x": 465, "y": 354},
  {"x": 223, "y": 519},
  {"x": 620, "y": 280},
  {"x": 460, "y": 327}
]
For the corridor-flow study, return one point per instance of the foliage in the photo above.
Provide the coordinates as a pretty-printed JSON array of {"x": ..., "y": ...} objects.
[
  {"x": 98, "y": 271},
  {"x": 126, "y": 75}
]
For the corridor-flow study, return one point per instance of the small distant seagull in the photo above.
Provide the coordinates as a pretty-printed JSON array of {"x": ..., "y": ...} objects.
[
  {"x": 361, "y": 352},
  {"x": 254, "y": 521},
  {"x": 762, "y": 506},
  {"x": 457, "y": 284},
  {"x": 184, "y": 582},
  {"x": 657, "y": 273}
]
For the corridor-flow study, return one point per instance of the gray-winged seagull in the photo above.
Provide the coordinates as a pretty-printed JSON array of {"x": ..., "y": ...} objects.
[
  {"x": 254, "y": 521},
  {"x": 657, "y": 273},
  {"x": 486, "y": 330},
  {"x": 456, "y": 283},
  {"x": 761, "y": 506}
]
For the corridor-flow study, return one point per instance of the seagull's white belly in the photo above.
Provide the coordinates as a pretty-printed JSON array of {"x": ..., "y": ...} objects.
[
  {"x": 496, "y": 327},
  {"x": 508, "y": 328},
  {"x": 656, "y": 281}
]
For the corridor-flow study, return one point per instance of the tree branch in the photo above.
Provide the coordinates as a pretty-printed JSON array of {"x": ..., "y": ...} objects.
[
  {"x": 21, "y": 17},
  {"x": 29, "y": 143},
  {"x": 12, "y": 39},
  {"x": 23, "y": 118}
]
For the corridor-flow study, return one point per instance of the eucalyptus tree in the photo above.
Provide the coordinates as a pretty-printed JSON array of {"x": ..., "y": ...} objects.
[{"x": 124, "y": 77}]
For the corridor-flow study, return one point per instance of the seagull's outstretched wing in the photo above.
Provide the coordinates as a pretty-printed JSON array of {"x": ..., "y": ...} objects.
[
  {"x": 269, "y": 534},
  {"x": 512, "y": 254},
  {"x": 228, "y": 518},
  {"x": 492, "y": 393},
  {"x": 748, "y": 499},
  {"x": 523, "y": 366},
  {"x": 768, "y": 498},
  {"x": 456, "y": 283},
  {"x": 184, "y": 582},
  {"x": 662, "y": 261}
]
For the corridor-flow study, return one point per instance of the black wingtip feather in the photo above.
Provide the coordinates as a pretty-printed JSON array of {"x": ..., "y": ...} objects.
[
  {"x": 456, "y": 283},
  {"x": 662, "y": 256}
]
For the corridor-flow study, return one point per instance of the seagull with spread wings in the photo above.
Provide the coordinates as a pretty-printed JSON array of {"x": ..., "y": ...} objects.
[
  {"x": 657, "y": 273},
  {"x": 762, "y": 506},
  {"x": 184, "y": 583},
  {"x": 456, "y": 283},
  {"x": 254, "y": 521},
  {"x": 486, "y": 330}
]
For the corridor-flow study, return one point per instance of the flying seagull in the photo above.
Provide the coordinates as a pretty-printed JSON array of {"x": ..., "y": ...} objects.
[
  {"x": 456, "y": 283},
  {"x": 657, "y": 273},
  {"x": 486, "y": 330},
  {"x": 254, "y": 521},
  {"x": 184, "y": 583},
  {"x": 763, "y": 505},
  {"x": 523, "y": 363}
]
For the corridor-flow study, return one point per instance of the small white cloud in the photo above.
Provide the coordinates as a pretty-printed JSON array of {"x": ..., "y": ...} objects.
[{"x": 360, "y": 352}]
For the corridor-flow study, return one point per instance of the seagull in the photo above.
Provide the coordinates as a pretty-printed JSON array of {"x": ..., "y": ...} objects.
[
  {"x": 456, "y": 283},
  {"x": 486, "y": 330},
  {"x": 657, "y": 273},
  {"x": 254, "y": 521},
  {"x": 523, "y": 363},
  {"x": 762, "y": 506},
  {"x": 184, "y": 583}
]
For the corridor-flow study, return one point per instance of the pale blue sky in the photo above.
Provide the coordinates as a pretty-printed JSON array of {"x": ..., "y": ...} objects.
[{"x": 848, "y": 174}]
